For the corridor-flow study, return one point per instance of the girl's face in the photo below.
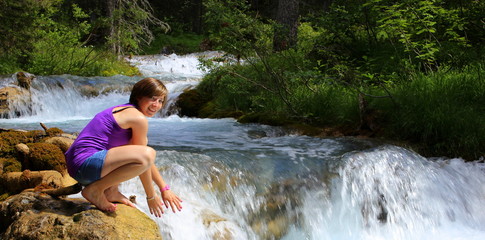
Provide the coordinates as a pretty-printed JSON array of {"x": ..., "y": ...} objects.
[{"x": 149, "y": 106}]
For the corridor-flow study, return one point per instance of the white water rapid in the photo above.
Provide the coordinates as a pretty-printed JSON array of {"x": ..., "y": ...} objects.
[{"x": 250, "y": 181}]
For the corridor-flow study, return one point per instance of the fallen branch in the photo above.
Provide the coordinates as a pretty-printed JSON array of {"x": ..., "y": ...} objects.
[{"x": 73, "y": 189}]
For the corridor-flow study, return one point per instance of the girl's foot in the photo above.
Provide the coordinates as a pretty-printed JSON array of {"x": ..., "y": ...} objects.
[
  {"x": 113, "y": 195},
  {"x": 97, "y": 198}
]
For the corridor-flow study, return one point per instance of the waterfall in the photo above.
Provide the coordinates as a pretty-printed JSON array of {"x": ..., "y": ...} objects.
[
  {"x": 67, "y": 97},
  {"x": 393, "y": 193}
]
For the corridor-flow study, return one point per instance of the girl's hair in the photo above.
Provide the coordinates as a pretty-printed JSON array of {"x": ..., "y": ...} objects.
[{"x": 148, "y": 87}]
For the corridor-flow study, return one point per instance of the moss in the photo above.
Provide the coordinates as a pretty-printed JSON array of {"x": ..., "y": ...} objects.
[
  {"x": 4, "y": 195},
  {"x": 45, "y": 156},
  {"x": 11, "y": 165},
  {"x": 207, "y": 110},
  {"x": 9, "y": 139},
  {"x": 190, "y": 102},
  {"x": 51, "y": 132},
  {"x": 267, "y": 118},
  {"x": 35, "y": 135}
]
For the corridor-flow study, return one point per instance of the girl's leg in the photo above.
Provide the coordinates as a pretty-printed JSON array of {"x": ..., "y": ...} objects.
[{"x": 121, "y": 164}]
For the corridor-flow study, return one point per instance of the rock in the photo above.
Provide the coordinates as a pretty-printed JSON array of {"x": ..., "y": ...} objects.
[
  {"x": 15, "y": 182},
  {"x": 45, "y": 156},
  {"x": 22, "y": 149},
  {"x": 14, "y": 101},
  {"x": 216, "y": 225},
  {"x": 33, "y": 215},
  {"x": 8, "y": 141},
  {"x": 24, "y": 80},
  {"x": 62, "y": 142}
]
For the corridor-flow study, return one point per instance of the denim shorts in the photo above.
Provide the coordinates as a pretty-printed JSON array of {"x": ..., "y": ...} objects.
[{"x": 90, "y": 170}]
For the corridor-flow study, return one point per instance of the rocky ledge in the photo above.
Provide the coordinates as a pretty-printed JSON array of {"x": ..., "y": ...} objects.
[
  {"x": 34, "y": 184},
  {"x": 34, "y": 215}
]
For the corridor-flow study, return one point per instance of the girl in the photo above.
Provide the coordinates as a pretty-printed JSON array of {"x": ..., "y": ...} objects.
[{"x": 112, "y": 148}]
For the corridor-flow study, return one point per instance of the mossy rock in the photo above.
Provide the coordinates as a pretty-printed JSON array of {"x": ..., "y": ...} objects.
[
  {"x": 210, "y": 110},
  {"x": 52, "y": 132},
  {"x": 267, "y": 118},
  {"x": 9, "y": 139},
  {"x": 4, "y": 194},
  {"x": 35, "y": 135},
  {"x": 45, "y": 156},
  {"x": 10, "y": 165},
  {"x": 190, "y": 102}
]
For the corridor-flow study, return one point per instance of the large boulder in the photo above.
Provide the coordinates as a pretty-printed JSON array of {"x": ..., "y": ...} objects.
[{"x": 32, "y": 215}]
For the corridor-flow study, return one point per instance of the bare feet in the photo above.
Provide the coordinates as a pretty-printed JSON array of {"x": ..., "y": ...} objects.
[
  {"x": 97, "y": 198},
  {"x": 113, "y": 195}
]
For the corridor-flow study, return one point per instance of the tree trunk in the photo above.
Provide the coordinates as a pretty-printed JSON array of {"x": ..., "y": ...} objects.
[
  {"x": 110, "y": 7},
  {"x": 286, "y": 32},
  {"x": 197, "y": 16}
]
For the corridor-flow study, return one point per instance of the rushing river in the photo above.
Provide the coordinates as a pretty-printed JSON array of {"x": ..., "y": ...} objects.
[{"x": 250, "y": 181}]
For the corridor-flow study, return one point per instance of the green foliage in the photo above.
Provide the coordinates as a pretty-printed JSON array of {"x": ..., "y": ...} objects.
[
  {"x": 419, "y": 26},
  {"x": 283, "y": 84},
  {"x": 129, "y": 26},
  {"x": 9, "y": 65},
  {"x": 232, "y": 29},
  {"x": 307, "y": 37},
  {"x": 182, "y": 43},
  {"x": 444, "y": 110},
  {"x": 69, "y": 55},
  {"x": 16, "y": 13},
  {"x": 46, "y": 24}
]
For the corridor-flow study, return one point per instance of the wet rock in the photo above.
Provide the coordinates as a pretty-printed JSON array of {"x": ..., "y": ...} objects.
[
  {"x": 272, "y": 220},
  {"x": 16, "y": 99},
  {"x": 31, "y": 215},
  {"x": 24, "y": 80},
  {"x": 217, "y": 225}
]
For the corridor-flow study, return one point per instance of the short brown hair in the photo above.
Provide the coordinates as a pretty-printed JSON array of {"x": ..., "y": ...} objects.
[{"x": 148, "y": 87}]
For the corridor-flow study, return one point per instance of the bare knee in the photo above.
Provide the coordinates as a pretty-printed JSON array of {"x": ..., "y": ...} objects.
[{"x": 147, "y": 156}]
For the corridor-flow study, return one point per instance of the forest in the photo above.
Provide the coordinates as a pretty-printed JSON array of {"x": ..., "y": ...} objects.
[{"x": 409, "y": 71}]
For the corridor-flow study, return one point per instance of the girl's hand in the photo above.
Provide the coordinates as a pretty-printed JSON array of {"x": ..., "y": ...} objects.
[
  {"x": 172, "y": 200},
  {"x": 155, "y": 205}
]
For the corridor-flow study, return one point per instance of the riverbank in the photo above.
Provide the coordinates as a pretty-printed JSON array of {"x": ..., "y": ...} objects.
[{"x": 437, "y": 115}]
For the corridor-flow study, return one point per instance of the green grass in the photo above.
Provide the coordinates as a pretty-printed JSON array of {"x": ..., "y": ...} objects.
[
  {"x": 443, "y": 111},
  {"x": 179, "y": 43}
]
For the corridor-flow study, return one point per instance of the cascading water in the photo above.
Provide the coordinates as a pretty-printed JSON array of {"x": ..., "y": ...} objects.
[{"x": 250, "y": 181}]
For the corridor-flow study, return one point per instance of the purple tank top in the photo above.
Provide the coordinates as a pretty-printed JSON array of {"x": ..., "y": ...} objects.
[{"x": 101, "y": 133}]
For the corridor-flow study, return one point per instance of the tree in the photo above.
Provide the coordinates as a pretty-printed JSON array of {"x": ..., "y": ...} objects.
[
  {"x": 129, "y": 24},
  {"x": 286, "y": 31},
  {"x": 17, "y": 31}
]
